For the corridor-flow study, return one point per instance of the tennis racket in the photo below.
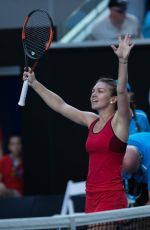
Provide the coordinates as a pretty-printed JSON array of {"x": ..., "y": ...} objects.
[{"x": 37, "y": 35}]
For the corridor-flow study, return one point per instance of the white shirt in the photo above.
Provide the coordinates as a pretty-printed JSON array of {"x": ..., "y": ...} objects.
[{"x": 104, "y": 29}]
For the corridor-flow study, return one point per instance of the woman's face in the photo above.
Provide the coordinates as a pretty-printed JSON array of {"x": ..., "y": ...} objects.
[
  {"x": 15, "y": 145},
  {"x": 101, "y": 96}
]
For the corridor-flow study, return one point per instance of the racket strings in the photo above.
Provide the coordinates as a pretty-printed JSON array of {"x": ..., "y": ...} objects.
[
  {"x": 36, "y": 40},
  {"x": 33, "y": 37},
  {"x": 38, "y": 31}
]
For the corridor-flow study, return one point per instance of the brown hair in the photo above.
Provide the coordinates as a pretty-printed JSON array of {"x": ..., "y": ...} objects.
[{"x": 111, "y": 82}]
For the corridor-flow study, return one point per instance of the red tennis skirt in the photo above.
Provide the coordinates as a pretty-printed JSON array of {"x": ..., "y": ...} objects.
[{"x": 105, "y": 200}]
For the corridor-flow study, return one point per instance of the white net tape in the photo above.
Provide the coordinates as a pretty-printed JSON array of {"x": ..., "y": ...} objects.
[{"x": 76, "y": 220}]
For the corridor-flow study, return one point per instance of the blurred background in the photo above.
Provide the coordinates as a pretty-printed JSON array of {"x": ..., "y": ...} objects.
[{"x": 52, "y": 148}]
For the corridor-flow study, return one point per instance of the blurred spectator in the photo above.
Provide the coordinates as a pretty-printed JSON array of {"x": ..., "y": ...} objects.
[
  {"x": 1, "y": 143},
  {"x": 118, "y": 21},
  {"x": 136, "y": 161},
  {"x": 136, "y": 185},
  {"x": 11, "y": 169},
  {"x": 139, "y": 121}
]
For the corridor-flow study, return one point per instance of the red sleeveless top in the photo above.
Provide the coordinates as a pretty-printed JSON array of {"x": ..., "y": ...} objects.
[{"x": 106, "y": 154}]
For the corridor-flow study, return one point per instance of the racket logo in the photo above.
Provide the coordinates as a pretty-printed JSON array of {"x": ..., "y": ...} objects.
[{"x": 32, "y": 53}]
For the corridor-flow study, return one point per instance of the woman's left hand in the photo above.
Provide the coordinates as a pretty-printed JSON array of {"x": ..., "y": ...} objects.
[{"x": 124, "y": 48}]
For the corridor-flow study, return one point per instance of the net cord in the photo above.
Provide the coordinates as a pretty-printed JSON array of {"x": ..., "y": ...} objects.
[{"x": 73, "y": 221}]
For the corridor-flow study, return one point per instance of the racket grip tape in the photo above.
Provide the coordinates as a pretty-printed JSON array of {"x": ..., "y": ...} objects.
[{"x": 23, "y": 93}]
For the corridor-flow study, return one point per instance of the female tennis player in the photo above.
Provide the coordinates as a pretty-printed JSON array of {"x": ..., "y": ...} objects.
[{"x": 108, "y": 131}]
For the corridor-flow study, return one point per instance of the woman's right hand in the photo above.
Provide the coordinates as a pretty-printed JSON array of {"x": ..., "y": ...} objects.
[
  {"x": 30, "y": 76},
  {"x": 124, "y": 48}
]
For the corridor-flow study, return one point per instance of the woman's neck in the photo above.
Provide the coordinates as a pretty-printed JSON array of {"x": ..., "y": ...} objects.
[{"x": 105, "y": 114}]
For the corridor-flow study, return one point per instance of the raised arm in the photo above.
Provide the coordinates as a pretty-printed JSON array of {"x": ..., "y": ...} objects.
[
  {"x": 123, "y": 52},
  {"x": 56, "y": 103}
]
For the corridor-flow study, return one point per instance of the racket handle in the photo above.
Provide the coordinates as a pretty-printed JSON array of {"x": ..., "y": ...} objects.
[{"x": 23, "y": 93}]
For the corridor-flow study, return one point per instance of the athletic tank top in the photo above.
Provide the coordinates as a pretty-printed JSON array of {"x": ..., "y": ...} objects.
[{"x": 106, "y": 154}]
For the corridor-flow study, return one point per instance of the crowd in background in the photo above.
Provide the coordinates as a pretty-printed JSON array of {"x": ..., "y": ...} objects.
[
  {"x": 11, "y": 167},
  {"x": 120, "y": 21},
  {"x": 136, "y": 164}
]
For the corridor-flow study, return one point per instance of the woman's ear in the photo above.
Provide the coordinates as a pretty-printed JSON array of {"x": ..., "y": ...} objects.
[{"x": 113, "y": 100}]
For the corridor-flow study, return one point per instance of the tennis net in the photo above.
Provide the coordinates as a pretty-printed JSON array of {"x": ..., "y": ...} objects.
[{"x": 123, "y": 219}]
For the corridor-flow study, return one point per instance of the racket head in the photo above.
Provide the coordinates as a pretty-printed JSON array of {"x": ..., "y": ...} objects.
[{"x": 37, "y": 33}]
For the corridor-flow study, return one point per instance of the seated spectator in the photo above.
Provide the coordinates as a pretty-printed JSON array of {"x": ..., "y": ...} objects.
[
  {"x": 136, "y": 161},
  {"x": 118, "y": 21},
  {"x": 11, "y": 170},
  {"x": 139, "y": 121}
]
